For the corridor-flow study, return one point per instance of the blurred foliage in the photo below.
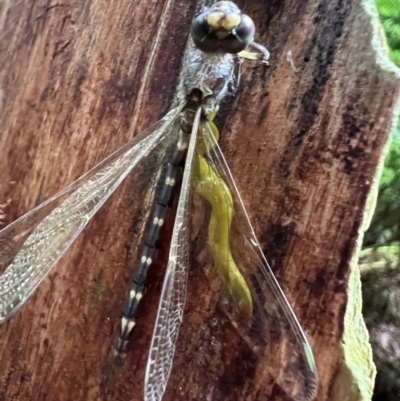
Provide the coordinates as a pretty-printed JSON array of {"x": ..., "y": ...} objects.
[
  {"x": 385, "y": 225},
  {"x": 381, "y": 304},
  {"x": 380, "y": 262},
  {"x": 389, "y": 13}
]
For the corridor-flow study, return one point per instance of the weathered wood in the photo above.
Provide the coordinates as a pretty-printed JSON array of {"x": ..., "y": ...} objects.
[{"x": 78, "y": 79}]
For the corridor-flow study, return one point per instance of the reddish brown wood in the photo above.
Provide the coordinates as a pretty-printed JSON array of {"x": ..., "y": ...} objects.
[{"x": 78, "y": 79}]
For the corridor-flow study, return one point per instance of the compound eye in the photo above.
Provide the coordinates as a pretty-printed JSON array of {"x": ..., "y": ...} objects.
[
  {"x": 202, "y": 34},
  {"x": 246, "y": 30},
  {"x": 222, "y": 28},
  {"x": 240, "y": 37}
]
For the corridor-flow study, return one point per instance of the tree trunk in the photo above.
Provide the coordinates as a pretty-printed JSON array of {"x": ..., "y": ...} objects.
[{"x": 303, "y": 137}]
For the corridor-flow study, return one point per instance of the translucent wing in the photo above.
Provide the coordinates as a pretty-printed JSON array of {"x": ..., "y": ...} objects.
[
  {"x": 173, "y": 296},
  {"x": 249, "y": 292},
  {"x": 32, "y": 245}
]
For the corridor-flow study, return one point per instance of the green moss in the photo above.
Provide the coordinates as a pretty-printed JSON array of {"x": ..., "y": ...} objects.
[{"x": 357, "y": 350}]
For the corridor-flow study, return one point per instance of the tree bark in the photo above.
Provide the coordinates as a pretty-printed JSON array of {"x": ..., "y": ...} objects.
[{"x": 304, "y": 140}]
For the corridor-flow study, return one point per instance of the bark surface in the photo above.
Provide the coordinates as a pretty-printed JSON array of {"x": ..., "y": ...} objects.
[{"x": 303, "y": 137}]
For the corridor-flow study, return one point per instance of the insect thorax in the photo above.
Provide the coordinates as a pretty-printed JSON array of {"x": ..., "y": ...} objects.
[{"x": 210, "y": 74}]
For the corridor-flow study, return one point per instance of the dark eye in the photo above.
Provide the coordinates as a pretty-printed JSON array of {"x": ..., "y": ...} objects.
[
  {"x": 222, "y": 28},
  {"x": 246, "y": 30},
  {"x": 200, "y": 32}
]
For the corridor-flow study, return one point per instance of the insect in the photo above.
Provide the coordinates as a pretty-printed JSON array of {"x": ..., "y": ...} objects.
[{"x": 186, "y": 139}]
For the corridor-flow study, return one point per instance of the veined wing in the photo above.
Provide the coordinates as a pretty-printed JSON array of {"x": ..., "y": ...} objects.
[
  {"x": 173, "y": 295},
  {"x": 249, "y": 292},
  {"x": 32, "y": 245}
]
